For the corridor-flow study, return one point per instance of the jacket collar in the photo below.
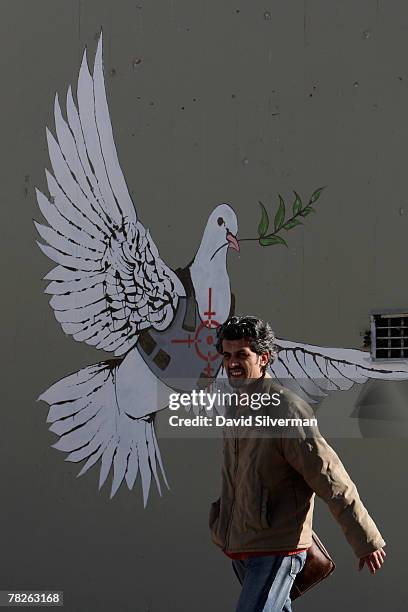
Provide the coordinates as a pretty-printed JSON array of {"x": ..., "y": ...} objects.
[{"x": 256, "y": 385}]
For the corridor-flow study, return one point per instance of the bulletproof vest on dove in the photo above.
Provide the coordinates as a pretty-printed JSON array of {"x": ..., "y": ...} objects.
[{"x": 183, "y": 356}]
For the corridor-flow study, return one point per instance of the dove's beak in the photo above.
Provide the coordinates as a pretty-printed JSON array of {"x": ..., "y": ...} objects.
[{"x": 232, "y": 241}]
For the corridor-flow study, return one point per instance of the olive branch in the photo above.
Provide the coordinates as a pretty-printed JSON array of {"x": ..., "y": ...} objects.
[{"x": 280, "y": 223}]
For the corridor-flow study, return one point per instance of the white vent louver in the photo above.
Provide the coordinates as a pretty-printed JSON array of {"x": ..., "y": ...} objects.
[{"x": 389, "y": 335}]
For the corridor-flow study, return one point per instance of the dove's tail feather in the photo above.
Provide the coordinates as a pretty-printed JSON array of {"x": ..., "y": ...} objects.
[{"x": 84, "y": 412}]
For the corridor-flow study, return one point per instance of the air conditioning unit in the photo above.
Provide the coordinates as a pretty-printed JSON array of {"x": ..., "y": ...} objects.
[{"x": 389, "y": 335}]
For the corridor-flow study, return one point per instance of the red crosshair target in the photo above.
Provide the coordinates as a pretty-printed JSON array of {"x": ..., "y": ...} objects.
[{"x": 203, "y": 340}]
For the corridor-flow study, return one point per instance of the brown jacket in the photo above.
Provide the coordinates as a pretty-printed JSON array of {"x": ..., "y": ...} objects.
[{"x": 269, "y": 483}]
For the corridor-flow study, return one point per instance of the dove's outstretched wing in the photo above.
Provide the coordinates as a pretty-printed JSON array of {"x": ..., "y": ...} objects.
[
  {"x": 312, "y": 372},
  {"x": 110, "y": 282}
]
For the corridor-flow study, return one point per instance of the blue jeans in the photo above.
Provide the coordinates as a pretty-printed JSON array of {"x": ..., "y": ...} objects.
[{"x": 266, "y": 582}]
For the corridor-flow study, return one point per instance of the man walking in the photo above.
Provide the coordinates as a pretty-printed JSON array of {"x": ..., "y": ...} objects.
[{"x": 263, "y": 518}]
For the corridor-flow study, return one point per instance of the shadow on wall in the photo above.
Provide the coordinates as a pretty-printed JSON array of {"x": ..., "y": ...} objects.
[{"x": 382, "y": 409}]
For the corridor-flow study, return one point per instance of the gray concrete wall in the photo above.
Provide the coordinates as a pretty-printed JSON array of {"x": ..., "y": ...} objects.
[{"x": 309, "y": 93}]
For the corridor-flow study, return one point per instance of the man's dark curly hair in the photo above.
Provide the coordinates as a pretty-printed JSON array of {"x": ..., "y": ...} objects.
[{"x": 258, "y": 333}]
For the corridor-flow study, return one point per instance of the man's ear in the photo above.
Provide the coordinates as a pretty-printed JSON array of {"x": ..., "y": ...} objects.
[{"x": 264, "y": 358}]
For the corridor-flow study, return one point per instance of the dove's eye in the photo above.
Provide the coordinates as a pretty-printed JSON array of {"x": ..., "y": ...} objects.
[{"x": 220, "y": 221}]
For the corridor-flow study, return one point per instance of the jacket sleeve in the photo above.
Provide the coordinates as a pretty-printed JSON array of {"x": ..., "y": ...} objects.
[{"x": 309, "y": 454}]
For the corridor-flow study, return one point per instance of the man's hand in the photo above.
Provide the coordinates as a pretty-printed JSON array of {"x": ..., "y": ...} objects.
[{"x": 374, "y": 560}]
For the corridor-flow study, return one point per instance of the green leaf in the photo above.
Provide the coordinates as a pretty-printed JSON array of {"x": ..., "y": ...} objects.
[
  {"x": 268, "y": 240},
  {"x": 316, "y": 195},
  {"x": 280, "y": 215},
  {"x": 297, "y": 204},
  {"x": 264, "y": 222},
  {"x": 292, "y": 223},
  {"x": 307, "y": 211}
]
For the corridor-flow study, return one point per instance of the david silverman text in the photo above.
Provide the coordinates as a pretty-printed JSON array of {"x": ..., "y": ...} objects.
[{"x": 247, "y": 421}]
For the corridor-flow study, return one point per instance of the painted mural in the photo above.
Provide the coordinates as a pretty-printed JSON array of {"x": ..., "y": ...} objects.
[{"x": 111, "y": 289}]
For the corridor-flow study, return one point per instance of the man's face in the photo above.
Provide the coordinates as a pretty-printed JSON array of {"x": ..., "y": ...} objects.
[{"x": 241, "y": 363}]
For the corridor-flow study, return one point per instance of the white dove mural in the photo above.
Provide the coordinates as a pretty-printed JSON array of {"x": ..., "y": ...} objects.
[{"x": 112, "y": 290}]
